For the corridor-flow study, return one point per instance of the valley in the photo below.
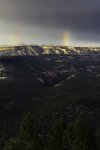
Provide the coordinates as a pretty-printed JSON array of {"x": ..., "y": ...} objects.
[{"x": 49, "y": 86}]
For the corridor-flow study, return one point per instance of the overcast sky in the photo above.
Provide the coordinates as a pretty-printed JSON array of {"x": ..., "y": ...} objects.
[{"x": 48, "y": 21}]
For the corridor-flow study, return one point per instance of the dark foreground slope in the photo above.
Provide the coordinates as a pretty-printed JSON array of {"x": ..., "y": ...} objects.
[
  {"x": 69, "y": 99},
  {"x": 50, "y": 87},
  {"x": 64, "y": 102}
]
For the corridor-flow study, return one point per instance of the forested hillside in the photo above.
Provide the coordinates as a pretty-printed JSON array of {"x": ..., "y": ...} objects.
[{"x": 46, "y": 102}]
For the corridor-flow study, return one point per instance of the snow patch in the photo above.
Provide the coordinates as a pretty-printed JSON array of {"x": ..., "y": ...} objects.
[
  {"x": 3, "y": 78},
  {"x": 41, "y": 80},
  {"x": 72, "y": 76}
]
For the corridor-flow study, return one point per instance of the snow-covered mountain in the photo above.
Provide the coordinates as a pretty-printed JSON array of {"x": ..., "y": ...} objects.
[{"x": 48, "y": 50}]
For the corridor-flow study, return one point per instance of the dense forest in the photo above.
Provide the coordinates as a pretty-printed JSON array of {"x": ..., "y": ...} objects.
[
  {"x": 61, "y": 113},
  {"x": 65, "y": 117},
  {"x": 76, "y": 135}
]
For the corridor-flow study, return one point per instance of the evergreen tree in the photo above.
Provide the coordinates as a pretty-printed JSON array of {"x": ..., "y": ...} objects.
[
  {"x": 26, "y": 132},
  {"x": 97, "y": 139},
  {"x": 79, "y": 135},
  {"x": 54, "y": 139},
  {"x": 27, "y": 138},
  {"x": 14, "y": 144}
]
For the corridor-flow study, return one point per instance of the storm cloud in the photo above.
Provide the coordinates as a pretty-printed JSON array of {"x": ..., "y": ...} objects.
[{"x": 41, "y": 17}]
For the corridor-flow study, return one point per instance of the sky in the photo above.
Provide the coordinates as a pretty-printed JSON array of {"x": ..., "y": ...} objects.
[{"x": 56, "y": 22}]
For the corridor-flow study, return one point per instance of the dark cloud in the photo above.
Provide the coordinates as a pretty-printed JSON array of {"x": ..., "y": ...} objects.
[{"x": 75, "y": 15}]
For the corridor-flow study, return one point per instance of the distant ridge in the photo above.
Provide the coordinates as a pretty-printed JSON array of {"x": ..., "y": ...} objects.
[{"x": 35, "y": 50}]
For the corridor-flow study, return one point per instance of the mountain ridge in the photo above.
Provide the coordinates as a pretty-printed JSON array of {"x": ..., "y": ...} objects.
[{"x": 34, "y": 50}]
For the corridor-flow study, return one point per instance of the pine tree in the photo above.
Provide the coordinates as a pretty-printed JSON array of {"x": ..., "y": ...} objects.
[
  {"x": 54, "y": 139},
  {"x": 14, "y": 144},
  {"x": 97, "y": 139},
  {"x": 79, "y": 135},
  {"x": 27, "y": 133},
  {"x": 27, "y": 138}
]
